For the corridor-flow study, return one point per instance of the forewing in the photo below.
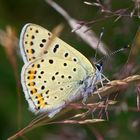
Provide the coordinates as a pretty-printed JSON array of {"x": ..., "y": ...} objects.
[{"x": 36, "y": 41}]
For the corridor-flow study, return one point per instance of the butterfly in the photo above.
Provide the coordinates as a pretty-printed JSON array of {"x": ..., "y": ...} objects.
[{"x": 54, "y": 73}]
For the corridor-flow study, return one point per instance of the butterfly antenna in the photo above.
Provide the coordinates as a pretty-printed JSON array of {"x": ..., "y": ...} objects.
[
  {"x": 113, "y": 53},
  {"x": 101, "y": 34}
]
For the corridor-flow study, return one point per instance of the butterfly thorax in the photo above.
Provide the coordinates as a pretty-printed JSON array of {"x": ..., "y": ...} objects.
[{"x": 90, "y": 82}]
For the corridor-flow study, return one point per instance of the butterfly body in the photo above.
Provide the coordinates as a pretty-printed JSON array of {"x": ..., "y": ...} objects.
[{"x": 54, "y": 73}]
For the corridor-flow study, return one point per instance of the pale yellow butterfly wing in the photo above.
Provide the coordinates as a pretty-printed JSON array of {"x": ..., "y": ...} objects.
[
  {"x": 50, "y": 83},
  {"x": 54, "y": 73},
  {"x": 35, "y": 41}
]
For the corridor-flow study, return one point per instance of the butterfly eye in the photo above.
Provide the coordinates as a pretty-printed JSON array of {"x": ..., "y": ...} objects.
[{"x": 98, "y": 66}]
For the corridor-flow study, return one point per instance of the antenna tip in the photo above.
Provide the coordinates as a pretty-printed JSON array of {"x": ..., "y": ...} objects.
[{"x": 126, "y": 46}]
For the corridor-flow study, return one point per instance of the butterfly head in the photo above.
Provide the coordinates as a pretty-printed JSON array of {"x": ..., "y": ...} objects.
[{"x": 99, "y": 66}]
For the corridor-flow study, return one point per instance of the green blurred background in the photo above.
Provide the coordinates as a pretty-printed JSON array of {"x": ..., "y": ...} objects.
[{"x": 122, "y": 124}]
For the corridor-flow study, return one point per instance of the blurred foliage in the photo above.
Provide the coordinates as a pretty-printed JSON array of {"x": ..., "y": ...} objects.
[{"x": 123, "y": 123}]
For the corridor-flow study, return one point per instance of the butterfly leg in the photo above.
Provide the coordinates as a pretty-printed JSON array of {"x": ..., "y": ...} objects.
[
  {"x": 86, "y": 92},
  {"x": 89, "y": 90},
  {"x": 85, "y": 96},
  {"x": 98, "y": 92},
  {"x": 105, "y": 77},
  {"x": 101, "y": 78}
]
